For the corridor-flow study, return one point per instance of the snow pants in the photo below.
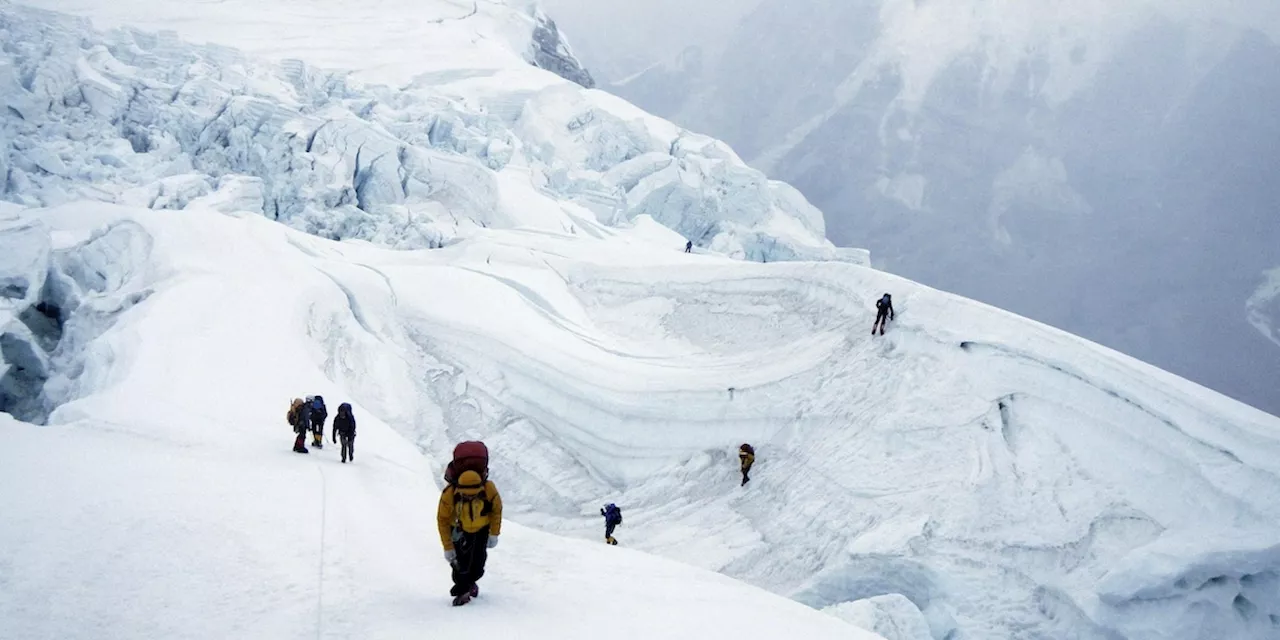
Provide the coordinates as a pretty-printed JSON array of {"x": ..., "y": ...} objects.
[
  {"x": 746, "y": 478},
  {"x": 348, "y": 447},
  {"x": 468, "y": 565},
  {"x": 608, "y": 529},
  {"x": 881, "y": 318},
  {"x": 300, "y": 442},
  {"x": 317, "y": 428}
]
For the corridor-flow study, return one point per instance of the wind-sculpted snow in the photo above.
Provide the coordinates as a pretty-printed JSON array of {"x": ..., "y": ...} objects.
[
  {"x": 145, "y": 119},
  {"x": 163, "y": 487},
  {"x": 991, "y": 486},
  {"x": 1006, "y": 479}
]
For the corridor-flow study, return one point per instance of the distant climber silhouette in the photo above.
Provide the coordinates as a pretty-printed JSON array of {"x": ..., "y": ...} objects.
[{"x": 884, "y": 310}]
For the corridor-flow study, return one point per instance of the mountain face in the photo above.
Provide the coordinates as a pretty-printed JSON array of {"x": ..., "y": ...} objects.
[
  {"x": 1104, "y": 168},
  {"x": 550, "y": 51}
]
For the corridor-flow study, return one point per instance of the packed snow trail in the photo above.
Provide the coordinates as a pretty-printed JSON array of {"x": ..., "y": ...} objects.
[{"x": 162, "y": 499}]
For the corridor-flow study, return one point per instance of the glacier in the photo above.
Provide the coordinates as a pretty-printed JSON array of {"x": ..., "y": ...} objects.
[
  {"x": 1103, "y": 167},
  {"x": 166, "y": 124},
  {"x": 985, "y": 476},
  {"x": 972, "y": 474}
]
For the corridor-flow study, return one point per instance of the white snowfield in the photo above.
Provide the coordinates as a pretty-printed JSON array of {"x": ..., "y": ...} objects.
[
  {"x": 164, "y": 501},
  {"x": 469, "y": 136},
  {"x": 969, "y": 475},
  {"x": 1005, "y": 479}
]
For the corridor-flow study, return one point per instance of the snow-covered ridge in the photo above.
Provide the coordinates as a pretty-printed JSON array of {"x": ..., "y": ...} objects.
[
  {"x": 141, "y": 511},
  {"x": 1001, "y": 477},
  {"x": 146, "y": 119}
]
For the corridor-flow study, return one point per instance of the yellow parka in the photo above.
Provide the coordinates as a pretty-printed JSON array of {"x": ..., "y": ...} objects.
[
  {"x": 747, "y": 459},
  {"x": 468, "y": 509}
]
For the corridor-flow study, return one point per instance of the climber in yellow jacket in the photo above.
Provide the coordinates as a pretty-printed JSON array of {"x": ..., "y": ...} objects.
[
  {"x": 469, "y": 518},
  {"x": 746, "y": 458}
]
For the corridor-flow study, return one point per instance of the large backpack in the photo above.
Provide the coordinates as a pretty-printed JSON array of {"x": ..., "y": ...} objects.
[
  {"x": 318, "y": 408},
  {"x": 612, "y": 514},
  {"x": 294, "y": 416},
  {"x": 472, "y": 455},
  {"x": 746, "y": 448}
]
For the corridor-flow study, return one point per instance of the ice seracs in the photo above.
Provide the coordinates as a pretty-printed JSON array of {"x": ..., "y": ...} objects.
[{"x": 143, "y": 118}]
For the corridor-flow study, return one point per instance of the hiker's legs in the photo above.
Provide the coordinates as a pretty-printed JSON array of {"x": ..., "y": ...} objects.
[
  {"x": 346, "y": 447},
  {"x": 473, "y": 552}
]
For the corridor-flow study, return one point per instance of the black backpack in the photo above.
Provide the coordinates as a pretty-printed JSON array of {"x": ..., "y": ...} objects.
[{"x": 612, "y": 514}]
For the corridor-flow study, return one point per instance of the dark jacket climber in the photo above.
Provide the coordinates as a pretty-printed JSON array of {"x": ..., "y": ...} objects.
[
  {"x": 884, "y": 310},
  {"x": 688, "y": 246},
  {"x": 295, "y": 419},
  {"x": 469, "y": 518},
  {"x": 344, "y": 427},
  {"x": 612, "y": 519},
  {"x": 316, "y": 413},
  {"x": 746, "y": 458}
]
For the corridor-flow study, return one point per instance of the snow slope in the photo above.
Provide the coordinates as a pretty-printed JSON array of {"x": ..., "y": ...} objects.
[
  {"x": 1004, "y": 478},
  {"x": 974, "y": 472},
  {"x": 1059, "y": 158},
  {"x": 473, "y": 137},
  {"x": 163, "y": 500}
]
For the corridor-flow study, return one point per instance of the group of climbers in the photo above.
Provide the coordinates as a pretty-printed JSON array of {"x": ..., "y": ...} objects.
[
  {"x": 469, "y": 515},
  {"x": 308, "y": 416}
]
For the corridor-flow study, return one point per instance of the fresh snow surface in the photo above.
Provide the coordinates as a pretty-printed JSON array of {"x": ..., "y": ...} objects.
[
  {"x": 165, "y": 502},
  {"x": 1004, "y": 478},
  {"x": 470, "y": 141}
]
